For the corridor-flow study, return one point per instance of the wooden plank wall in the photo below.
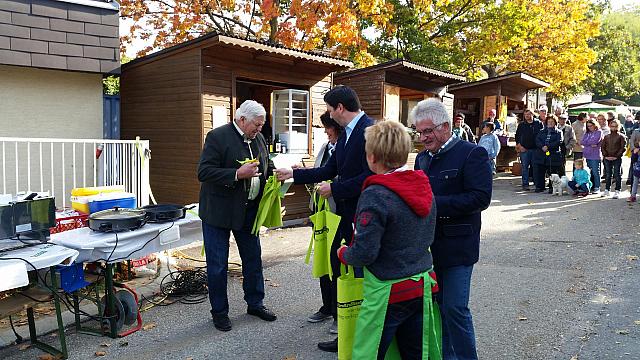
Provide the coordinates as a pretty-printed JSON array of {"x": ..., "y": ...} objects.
[
  {"x": 229, "y": 63},
  {"x": 370, "y": 89},
  {"x": 161, "y": 102}
]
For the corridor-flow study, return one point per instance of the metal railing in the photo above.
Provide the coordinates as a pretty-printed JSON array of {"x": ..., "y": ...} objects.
[{"x": 59, "y": 165}]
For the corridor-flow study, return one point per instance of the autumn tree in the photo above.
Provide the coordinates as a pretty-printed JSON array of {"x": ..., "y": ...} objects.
[
  {"x": 302, "y": 24},
  {"x": 546, "y": 38},
  {"x": 616, "y": 73}
]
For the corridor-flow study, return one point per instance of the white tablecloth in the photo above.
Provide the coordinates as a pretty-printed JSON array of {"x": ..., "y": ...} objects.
[
  {"x": 14, "y": 272},
  {"x": 150, "y": 238}
]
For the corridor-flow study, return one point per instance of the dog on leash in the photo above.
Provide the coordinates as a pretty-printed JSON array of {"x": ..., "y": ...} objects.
[{"x": 559, "y": 184}]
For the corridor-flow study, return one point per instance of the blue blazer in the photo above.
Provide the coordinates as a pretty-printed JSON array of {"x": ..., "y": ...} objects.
[
  {"x": 462, "y": 182},
  {"x": 348, "y": 169}
]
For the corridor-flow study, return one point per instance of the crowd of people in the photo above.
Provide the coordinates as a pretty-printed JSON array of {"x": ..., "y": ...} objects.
[
  {"x": 413, "y": 235},
  {"x": 545, "y": 142}
]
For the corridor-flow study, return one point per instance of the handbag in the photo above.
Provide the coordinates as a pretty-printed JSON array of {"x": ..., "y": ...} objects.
[
  {"x": 350, "y": 296},
  {"x": 270, "y": 207},
  {"x": 325, "y": 227}
]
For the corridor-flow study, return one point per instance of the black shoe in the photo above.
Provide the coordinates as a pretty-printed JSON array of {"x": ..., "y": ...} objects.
[
  {"x": 628, "y": 182},
  {"x": 550, "y": 190},
  {"x": 263, "y": 313},
  {"x": 221, "y": 322},
  {"x": 525, "y": 188},
  {"x": 539, "y": 190},
  {"x": 329, "y": 346}
]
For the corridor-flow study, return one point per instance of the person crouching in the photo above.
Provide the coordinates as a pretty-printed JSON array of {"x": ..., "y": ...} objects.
[{"x": 395, "y": 224}]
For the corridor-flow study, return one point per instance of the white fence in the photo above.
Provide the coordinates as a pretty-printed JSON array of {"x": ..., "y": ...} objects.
[{"x": 59, "y": 165}]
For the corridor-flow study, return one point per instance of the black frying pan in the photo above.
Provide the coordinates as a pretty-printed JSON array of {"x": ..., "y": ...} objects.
[{"x": 165, "y": 212}]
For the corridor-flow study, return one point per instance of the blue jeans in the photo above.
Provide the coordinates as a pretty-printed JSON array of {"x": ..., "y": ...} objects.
[
  {"x": 612, "y": 169},
  {"x": 216, "y": 247},
  {"x": 578, "y": 188},
  {"x": 404, "y": 321},
  {"x": 594, "y": 166},
  {"x": 526, "y": 160},
  {"x": 458, "y": 336}
]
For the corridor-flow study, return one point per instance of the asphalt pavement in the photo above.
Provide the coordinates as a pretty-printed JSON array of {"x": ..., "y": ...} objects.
[{"x": 557, "y": 279}]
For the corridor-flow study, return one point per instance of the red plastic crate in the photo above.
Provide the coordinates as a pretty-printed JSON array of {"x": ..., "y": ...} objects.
[{"x": 69, "y": 223}]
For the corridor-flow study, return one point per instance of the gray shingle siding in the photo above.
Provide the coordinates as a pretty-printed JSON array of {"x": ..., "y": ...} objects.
[{"x": 59, "y": 35}]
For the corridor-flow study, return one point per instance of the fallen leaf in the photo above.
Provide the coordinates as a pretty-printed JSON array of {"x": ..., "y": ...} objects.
[
  {"x": 100, "y": 353},
  {"x": 291, "y": 357},
  {"x": 24, "y": 347},
  {"x": 637, "y": 322},
  {"x": 632, "y": 257},
  {"x": 272, "y": 284},
  {"x": 46, "y": 357},
  {"x": 105, "y": 344},
  {"x": 522, "y": 318},
  {"x": 613, "y": 268},
  {"x": 574, "y": 357},
  {"x": 189, "y": 358},
  {"x": 601, "y": 289},
  {"x": 149, "y": 326},
  {"x": 622, "y": 332},
  {"x": 574, "y": 218},
  {"x": 124, "y": 343}
]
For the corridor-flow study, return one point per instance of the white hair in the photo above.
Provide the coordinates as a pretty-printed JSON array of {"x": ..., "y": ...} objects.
[
  {"x": 431, "y": 109},
  {"x": 250, "y": 110}
]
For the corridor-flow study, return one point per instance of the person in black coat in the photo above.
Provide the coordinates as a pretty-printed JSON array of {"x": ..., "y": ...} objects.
[
  {"x": 461, "y": 180},
  {"x": 347, "y": 168},
  {"x": 548, "y": 154},
  {"x": 229, "y": 196}
]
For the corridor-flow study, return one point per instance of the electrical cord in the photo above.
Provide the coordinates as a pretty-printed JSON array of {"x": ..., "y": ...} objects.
[{"x": 19, "y": 338}]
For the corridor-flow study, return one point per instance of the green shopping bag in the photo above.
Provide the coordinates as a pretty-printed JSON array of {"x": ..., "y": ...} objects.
[
  {"x": 350, "y": 297},
  {"x": 325, "y": 226},
  {"x": 269, "y": 210}
]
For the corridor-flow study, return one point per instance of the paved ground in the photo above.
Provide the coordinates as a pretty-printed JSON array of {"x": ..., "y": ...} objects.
[{"x": 557, "y": 279}]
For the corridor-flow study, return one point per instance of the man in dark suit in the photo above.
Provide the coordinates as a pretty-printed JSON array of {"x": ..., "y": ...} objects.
[
  {"x": 229, "y": 198},
  {"x": 461, "y": 181},
  {"x": 348, "y": 165}
]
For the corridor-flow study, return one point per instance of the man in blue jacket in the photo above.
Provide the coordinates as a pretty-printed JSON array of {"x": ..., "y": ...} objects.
[
  {"x": 461, "y": 181},
  {"x": 349, "y": 164}
]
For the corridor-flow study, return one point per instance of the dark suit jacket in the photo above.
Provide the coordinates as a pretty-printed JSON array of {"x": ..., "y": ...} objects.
[
  {"x": 349, "y": 164},
  {"x": 223, "y": 201},
  {"x": 555, "y": 153},
  {"x": 461, "y": 181}
]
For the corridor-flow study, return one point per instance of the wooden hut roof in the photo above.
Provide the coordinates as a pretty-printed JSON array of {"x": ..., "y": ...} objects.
[
  {"x": 405, "y": 66},
  {"x": 521, "y": 79},
  {"x": 214, "y": 39}
]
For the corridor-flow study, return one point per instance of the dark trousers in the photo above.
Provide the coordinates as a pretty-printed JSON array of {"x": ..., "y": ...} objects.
[
  {"x": 216, "y": 247},
  {"x": 574, "y": 186},
  {"x": 576, "y": 156},
  {"x": 325, "y": 292},
  {"x": 612, "y": 169},
  {"x": 404, "y": 321},
  {"x": 539, "y": 173},
  {"x": 562, "y": 171},
  {"x": 458, "y": 336}
]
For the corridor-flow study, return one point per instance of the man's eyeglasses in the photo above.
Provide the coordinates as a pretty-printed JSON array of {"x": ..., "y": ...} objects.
[{"x": 429, "y": 131}]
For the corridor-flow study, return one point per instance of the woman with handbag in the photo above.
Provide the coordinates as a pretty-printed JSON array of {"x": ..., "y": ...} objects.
[{"x": 395, "y": 223}]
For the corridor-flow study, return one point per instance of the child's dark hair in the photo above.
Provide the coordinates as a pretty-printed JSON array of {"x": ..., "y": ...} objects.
[{"x": 490, "y": 126}]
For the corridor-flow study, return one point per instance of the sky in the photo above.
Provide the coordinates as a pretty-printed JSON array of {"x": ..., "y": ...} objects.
[{"x": 619, "y": 4}]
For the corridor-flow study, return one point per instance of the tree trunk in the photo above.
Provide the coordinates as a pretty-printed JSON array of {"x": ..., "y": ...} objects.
[
  {"x": 491, "y": 70},
  {"x": 273, "y": 25}
]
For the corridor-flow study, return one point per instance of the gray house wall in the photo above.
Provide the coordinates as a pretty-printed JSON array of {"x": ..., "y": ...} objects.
[{"x": 60, "y": 35}]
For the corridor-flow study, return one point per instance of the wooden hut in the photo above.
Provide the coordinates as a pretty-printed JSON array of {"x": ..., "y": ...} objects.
[
  {"x": 511, "y": 93},
  {"x": 390, "y": 90},
  {"x": 174, "y": 97}
]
